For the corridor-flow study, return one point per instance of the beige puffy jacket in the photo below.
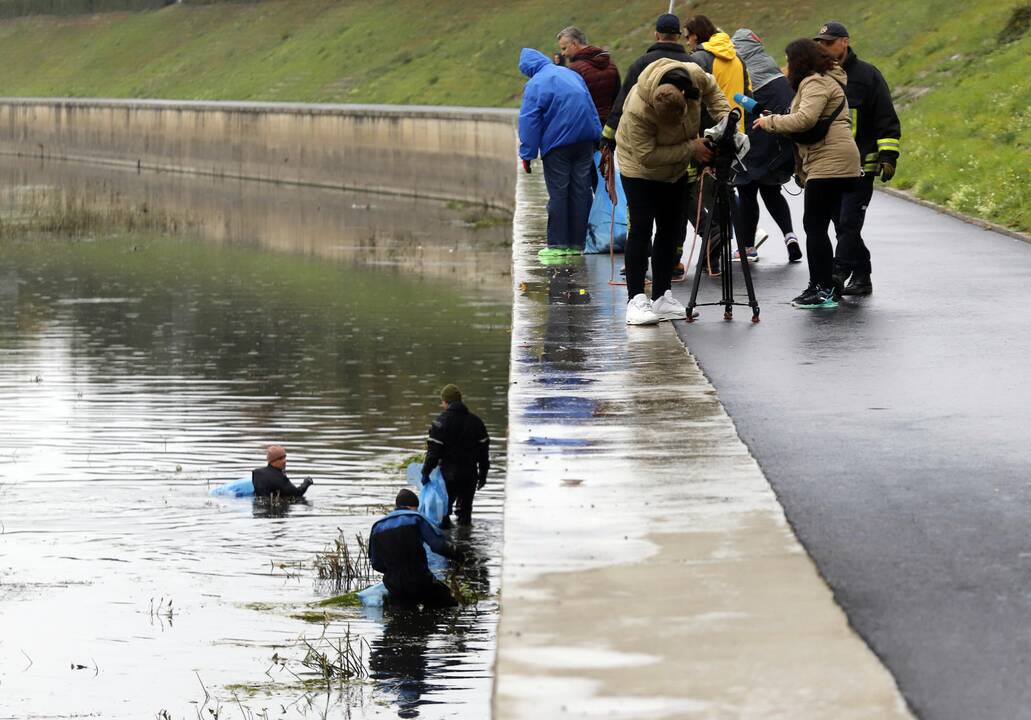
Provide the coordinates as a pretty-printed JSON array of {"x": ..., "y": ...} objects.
[
  {"x": 651, "y": 149},
  {"x": 817, "y": 97}
]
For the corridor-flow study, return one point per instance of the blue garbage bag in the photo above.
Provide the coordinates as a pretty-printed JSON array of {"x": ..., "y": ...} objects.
[
  {"x": 433, "y": 506},
  {"x": 238, "y": 488},
  {"x": 599, "y": 223},
  {"x": 432, "y": 495}
]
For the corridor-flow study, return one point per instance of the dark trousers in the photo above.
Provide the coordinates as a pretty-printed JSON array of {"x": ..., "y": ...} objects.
[
  {"x": 822, "y": 207},
  {"x": 461, "y": 488},
  {"x": 426, "y": 591},
  {"x": 747, "y": 216},
  {"x": 852, "y": 254},
  {"x": 711, "y": 239},
  {"x": 568, "y": 173},
  {"x": 662, "y": 204}
]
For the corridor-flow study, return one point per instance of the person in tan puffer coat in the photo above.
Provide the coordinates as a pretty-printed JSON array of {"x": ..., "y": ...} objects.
[
  {"x": 656, "y": 143},
  {"x": 827, "y": 168}
]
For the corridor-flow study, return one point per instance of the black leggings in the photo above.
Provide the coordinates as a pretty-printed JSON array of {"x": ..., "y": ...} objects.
[
  {"x": 661, "y": 203},
  {"x": 822, "y": 207},
  {"x": 747, "y": 217}
]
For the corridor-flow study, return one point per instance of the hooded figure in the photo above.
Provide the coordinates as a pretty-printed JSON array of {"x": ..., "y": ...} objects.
[
  {"x": 557, "y": 108},
  {"x": 558, "y": 120},
  {"x": 653, "y": 141},
  {"x": 718, "y": 57}
]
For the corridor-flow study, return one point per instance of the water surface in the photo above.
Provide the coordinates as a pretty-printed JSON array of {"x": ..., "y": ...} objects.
[{"x": 137, "y": 370}]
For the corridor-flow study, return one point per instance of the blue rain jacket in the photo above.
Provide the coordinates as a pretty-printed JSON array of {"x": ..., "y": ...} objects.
[{"x": 557, "y": 108}]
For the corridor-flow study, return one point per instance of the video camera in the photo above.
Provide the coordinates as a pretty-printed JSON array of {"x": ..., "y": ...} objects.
[{"x": 721, "y": 142}]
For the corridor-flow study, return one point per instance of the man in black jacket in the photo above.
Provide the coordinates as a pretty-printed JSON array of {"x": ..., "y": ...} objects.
[
  {"x": 396, "y": 550},
  {"x": 459, "y": 443},
  {"x": 272, "y": 480},
  {"x": 667, "y": 45},
  {"x": 878, "y": 133}
]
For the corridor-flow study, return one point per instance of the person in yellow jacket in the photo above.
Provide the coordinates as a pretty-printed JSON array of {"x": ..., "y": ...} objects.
[
  {"x": 714, "y": 52},
  {"x": 656, "y": 145},
  {"x": 827, "y": 166}
]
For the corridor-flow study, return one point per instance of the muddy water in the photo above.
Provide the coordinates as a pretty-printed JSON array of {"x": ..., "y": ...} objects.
[{"x": 139, "y": 369}]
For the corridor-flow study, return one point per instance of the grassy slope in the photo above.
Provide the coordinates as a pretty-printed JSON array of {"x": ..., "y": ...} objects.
[{"x": 964, "y": 98}]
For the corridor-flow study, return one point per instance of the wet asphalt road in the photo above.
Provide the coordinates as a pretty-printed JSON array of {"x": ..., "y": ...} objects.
[{"x": 894, "y": 432}]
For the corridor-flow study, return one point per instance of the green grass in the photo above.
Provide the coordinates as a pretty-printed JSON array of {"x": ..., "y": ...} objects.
[{"x": 962, "y": 92}]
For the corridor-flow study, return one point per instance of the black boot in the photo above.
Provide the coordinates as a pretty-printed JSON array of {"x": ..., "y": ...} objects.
[
  {"x": 838, "y": 277},
  {"x": 860, "y": 284}
]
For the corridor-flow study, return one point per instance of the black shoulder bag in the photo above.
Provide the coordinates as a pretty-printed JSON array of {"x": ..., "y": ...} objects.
[{"x": 819, "y": 131}]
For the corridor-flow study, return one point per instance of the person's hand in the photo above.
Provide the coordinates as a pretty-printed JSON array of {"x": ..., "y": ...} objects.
[
  {"x": 425, "y": 480},
  {"x": 886, "y": 170},
  {"x": 307, "y": 482},
  {"x": 759, "y": 123},
  {"x": 481, "y": 483},
  {"x": 606, "y": 166},
  {"x": 701, "y": 152},
  {"x": 607, "y": 143},
  {"x": 526, "y": 167}
]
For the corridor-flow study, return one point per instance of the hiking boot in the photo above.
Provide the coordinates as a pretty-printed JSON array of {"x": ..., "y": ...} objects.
[
  {"x": 668, "y": 307},
  {"x": 838, "y": 277},
  {"x": 551, "y": 251},
  {"x": 814, "y": 297},
  {"x": 860, "y": 284},
  {"x": 751, "y": 253},
  {"x": 639, "y": 311},
  {"x": 794, "y": 249}
]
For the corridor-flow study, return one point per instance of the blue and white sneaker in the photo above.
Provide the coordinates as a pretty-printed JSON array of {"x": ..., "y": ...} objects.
[
  {"x": 751, "y": 253},
  {"x": 815, "y": 297}
]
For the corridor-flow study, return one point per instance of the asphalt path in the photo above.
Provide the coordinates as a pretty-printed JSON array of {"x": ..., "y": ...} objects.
[{"x": 894, "y": 431}]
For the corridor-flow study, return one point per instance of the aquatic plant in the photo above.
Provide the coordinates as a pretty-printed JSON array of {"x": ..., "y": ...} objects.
[
  {"x": 346, "y": 569},
  {"x": 336, "y": 660}
]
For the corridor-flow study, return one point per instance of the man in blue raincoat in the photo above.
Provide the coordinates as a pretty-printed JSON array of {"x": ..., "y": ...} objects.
[{"x": 558, "y": 120}]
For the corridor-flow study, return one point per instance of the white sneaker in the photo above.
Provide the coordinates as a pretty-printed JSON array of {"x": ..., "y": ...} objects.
[
  {"x": 668, "y": 307},
  {"x": 639, "y": 311},
  {"x": 761, "y": 236}
]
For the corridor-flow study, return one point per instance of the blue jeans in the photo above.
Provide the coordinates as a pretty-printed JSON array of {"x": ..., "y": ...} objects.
[{"x": 567, "y": 173}]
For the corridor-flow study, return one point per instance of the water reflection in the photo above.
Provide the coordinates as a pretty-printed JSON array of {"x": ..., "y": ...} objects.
[{"x": 138, "y": 370}]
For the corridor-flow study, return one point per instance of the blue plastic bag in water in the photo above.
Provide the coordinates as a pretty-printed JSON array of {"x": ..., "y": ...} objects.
[
  {"x": 600, "y": 224},
  {"x": 238, "y": 488}
]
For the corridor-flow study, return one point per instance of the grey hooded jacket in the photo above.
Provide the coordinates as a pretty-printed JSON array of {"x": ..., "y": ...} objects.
[{"x": 761, "y": 67}]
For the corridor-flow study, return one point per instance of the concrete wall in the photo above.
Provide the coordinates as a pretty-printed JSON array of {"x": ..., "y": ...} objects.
[{"x": 464, "y": 154}]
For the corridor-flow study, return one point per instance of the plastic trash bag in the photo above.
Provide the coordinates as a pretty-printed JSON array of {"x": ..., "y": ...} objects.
[
  {"x": 238, "y": 488},
  {"x": 432, "y": 495},
  {"x": 373, "y": 595},
  {"x": 599, "y": 222}
]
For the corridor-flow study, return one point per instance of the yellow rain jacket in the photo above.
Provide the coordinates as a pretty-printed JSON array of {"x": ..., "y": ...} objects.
[{"x": 718, "y": 57}]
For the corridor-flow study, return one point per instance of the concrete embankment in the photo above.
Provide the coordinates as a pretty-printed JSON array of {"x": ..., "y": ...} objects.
[
  {"x": 464, "y": 154},
  {"x": 648, "y": 569}
]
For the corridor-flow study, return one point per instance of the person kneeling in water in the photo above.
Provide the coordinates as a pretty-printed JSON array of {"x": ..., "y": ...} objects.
[
  {"x": 272, "y": 480},
  {"x": 396, "y": 550}
]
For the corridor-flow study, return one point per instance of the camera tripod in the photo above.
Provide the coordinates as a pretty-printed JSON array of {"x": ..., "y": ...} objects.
[{"x": 720, "y": 213}]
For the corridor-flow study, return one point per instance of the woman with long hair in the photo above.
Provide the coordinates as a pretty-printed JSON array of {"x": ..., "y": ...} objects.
[{"x": 827, "y": 166}]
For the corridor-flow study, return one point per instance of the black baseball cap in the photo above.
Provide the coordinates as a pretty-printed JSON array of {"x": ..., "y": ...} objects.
[
  {"x": 668, "y": 24},
  {"x": 831, "y": 31}
]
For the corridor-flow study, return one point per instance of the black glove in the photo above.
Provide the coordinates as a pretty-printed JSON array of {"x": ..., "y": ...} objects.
[
  {"x": 481, "y": 483},
  {"x": 307, "y": 482},
  {"x": 609, "y": 143},
  {"x": 425, "y": 480}
]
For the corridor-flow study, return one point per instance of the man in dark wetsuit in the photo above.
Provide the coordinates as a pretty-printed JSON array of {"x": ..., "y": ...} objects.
[
  {"x": 396, "y": 550},
  {"x": 459, "y": 443},
  {"x": 272, "y": 480}
]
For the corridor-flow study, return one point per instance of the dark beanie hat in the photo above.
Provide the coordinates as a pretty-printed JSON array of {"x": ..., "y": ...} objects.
[
  {"x": 450, "y": 394},
  {"x": 406, "y": 499}
]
